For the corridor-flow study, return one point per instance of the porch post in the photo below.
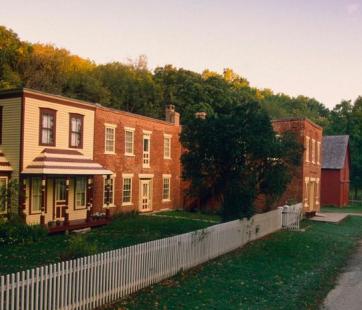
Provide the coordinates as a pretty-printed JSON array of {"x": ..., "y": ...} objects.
[
  {"x": 108, "y": 194},
  {"x": 43, "y": 199},
  {"x": 89, "y": 196},
  {"x": 22, "y": 198},
  {"x": 66, "y": 215}
]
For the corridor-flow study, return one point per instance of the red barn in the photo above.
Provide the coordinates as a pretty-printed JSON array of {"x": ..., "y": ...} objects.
[{"x": 335, "y": 171}]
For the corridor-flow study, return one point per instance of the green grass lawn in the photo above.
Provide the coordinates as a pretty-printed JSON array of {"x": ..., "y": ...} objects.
[
  {"x": 121, "y": 232},
  {"x": 190, "y": 215},
  {"x": 287, "y": 270},
  {"x": 352, "y": 208}
]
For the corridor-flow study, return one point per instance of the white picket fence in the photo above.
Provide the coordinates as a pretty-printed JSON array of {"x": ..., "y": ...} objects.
[
  {"x": 89, "y": 282},
  {"x": 291, "y": 216}
]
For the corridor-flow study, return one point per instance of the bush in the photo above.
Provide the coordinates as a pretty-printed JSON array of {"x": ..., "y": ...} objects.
[
  {"x": 15, "y": 231},
  {"x": 78, "y": 247}
]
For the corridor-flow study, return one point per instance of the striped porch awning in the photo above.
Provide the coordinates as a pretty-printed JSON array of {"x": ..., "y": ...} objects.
[
  {"x": 4, "y": 163},
  {"x": 65, "y": 162}
]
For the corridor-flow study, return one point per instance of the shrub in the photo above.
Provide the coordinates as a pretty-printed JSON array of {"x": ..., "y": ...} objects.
[
  {"x": 15, "y": 231},
  {"x": 78, "y": 246}
]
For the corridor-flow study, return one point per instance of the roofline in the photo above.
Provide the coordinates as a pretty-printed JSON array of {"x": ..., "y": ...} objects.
[
  {"x": 20, "y": 92},
  {"x": 288, "y": 119}
]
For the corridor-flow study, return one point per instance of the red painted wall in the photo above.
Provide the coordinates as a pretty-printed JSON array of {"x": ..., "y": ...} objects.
[
  {"x": 120, "y": 163},
  {"x": 335, "y": 185}
]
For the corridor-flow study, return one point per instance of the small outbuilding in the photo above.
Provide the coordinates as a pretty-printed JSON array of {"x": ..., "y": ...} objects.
[{"x": 336, "y": 163}]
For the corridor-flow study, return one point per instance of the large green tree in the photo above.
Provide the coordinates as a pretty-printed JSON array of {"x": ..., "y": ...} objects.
[{"x": 234, "y": 155}]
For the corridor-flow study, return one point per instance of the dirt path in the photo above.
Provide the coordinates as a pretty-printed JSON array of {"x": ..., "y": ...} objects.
[{"x": 347, "y": 295}]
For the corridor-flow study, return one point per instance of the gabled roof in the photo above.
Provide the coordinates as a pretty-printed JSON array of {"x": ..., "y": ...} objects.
[
  {"x": 334, "y": 150},
  {"x": 64, "y": 162}
]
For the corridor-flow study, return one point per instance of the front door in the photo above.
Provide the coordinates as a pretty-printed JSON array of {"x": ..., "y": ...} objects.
[
  {"x": 145, "y": 195},
  {"x": 60, "y": 198}
]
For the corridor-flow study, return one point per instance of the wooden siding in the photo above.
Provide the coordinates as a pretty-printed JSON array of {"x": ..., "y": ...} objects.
[
  {"x": 11, "y": 132},
  {"x": 31, "y": 133}
]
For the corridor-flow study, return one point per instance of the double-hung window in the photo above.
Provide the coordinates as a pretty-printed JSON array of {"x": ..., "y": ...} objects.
[
  {"x": 80, "y": 193},
  {"x": 307, "y": 149},
  {"x": 146, "y": 149},
  {"x": 129, "y": 141},
  {"x": 36, "y": 194},
  {"x": 110, "y": 138},
  {"x": 47, "y": 127},
  {"x": 166, "y": 188},
  {"x": 166, "y": 146},
  {"x": 76, "y": 131},
  {"x": 127, "y": 190},
  {"x": 3, "y": 194}
]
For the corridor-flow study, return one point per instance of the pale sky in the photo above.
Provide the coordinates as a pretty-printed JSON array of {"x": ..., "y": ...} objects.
[{"x": 309, "y": 47}]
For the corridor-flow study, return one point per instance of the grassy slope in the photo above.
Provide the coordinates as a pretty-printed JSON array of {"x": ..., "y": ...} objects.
[
  {"x": 287, "y": 270},
  {"x": 120, "y": 233},
  {"x": 190, "y": 215}
]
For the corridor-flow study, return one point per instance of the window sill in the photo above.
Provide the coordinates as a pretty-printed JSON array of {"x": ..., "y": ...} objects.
[
  {"x": 166, "y": 200},
  {"x": 110, "y": 153},
  {"x": 111, "y": 205},
  {"x": 129, "y": 154},
  {"x": 127, "y": 204},
  {"x": 169, "y": 158}
]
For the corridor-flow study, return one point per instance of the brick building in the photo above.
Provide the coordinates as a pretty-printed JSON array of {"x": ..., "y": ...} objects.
[
  {"x": 335, "y": 171},
  {"x": 73, "y": 159},
  {"x": 305, "y": 185},
  {"x": 144, "y": 156}
]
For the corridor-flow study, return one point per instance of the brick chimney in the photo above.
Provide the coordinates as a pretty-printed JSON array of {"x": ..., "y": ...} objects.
[
  {"x": 171, "y": 115},
  {"x": 201, "y": 115}
]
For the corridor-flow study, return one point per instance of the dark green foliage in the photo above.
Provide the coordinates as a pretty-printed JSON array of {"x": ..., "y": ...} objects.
[
  {"x": 346, "y": 118},
  {"x": 14, "y": 231},
  {"x": 233, "y": 156},
  {"x": 78, "y": 246}
]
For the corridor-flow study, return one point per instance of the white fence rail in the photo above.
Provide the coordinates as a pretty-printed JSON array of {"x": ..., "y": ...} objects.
[
  {"x": 291, "y": 216},
  {"x": 89, "y": 282}
]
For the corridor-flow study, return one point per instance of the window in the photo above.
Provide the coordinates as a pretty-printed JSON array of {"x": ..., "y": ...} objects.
[
  {"x": 167, "y": 146},
  {"x": 307, "y": 149},
  {"x": 108, "y": 200},
  {"x": 129, "y": 141},
  {"x": 313, "y": 151},
  {"x": 3, "y": 194},
  {"x": 110, "y": 138},
  {"x": 80, "y": 192},
  {"x": 146, "y": 149},
  {"x": 47, "y": 127},
  {"x": 127, "y": 190},
  {"x": 166, "y": 188},
  {"x": 36, "y": 194},
  {"x": 318, "y": 153},
  {"x": 76, "y": 131},
  {"x": 1, "y": 125}
]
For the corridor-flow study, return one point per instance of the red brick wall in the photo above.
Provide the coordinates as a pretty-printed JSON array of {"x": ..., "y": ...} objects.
[
  {"x": 312, "y": 171},
  {"x": 120, "y": 163}
]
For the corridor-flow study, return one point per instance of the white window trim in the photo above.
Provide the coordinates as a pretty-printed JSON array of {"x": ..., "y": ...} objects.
[
  {"x": 318, "y": 153},
  {"x": 307, "y": 149},
  {"x": 166, "y": 176},
  {"x": 145, "y": 175},
  {"x": 127, "y": 176},
  {"x": 129, "y": 129},
  {"x": 313, "y": 151},
  {"x": 113, "y": 177},
  {"x": 167, "y": 136},
  {"x": 109, "y": 126},
  {"x": 146, "y": 135}
]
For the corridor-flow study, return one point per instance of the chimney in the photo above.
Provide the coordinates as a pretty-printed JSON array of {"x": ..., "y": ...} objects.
[
  {"x": 171, "y": 115},
  {"x": 201, "y": 115}
]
